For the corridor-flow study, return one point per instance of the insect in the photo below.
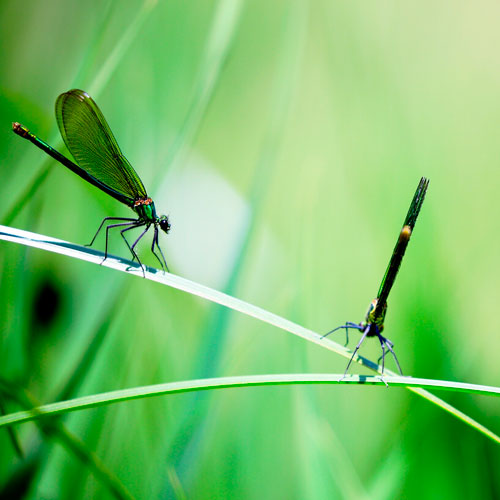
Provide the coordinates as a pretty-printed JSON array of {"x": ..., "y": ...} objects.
[
  {"x": 373, "y": 324},
  {"x": 100, "y": 162}
]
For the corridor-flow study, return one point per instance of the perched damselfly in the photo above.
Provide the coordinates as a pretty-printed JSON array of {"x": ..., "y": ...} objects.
[
  {"x": 373, "y": 324},
  {"x": 100, "y": 162}
]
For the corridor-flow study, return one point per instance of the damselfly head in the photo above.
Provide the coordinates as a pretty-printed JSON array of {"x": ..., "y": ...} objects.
[{"x": 164, "y": 223}]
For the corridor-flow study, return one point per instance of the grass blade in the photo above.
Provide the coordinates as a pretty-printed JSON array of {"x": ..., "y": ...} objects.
[
  {"x": 120, "y": 49},
  {"x": 90, "y": 255},
  {"x": 106, "y": 398}
]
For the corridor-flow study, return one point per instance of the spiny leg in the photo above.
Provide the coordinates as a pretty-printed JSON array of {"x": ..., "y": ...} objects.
[
  {"x": 355, "y": 326},
  {"x": 102, "y": 224},
  {"x": 334, "y": 330},
  {"x": 131, "y": 248},
  {"x": 155, "y": 242},
  {"x": 111, "y": 226},
  {"x": 161, "y": 252},
  {"x": 365, "y": 333},
  {"x": 346, "y": 335},
  {"x": 382, "y": 344},
  {"x": 390, "y": 346},
  {"x": 139, "y": 238},
  {"x": 349, "y": 324}
]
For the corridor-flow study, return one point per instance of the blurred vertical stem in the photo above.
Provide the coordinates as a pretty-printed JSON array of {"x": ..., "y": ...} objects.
[
  {"x": 327, "y": 469},
  {"x": 95, "y": 88},
  {"x": 184, "y": 451},
  {"x": 219, "y": 44},
  {"x": 14, "y": 439},
  {"x": 52, "y": 428},
  {"x": 121, "y": 48}
]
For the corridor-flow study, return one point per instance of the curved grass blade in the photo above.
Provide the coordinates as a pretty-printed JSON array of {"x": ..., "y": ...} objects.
[
  {"x": 121, "y": 47},
  {"x": 218, "y": 46},
  {"x": 107, "y": 398},
  {"x": 86, "y": 254}
]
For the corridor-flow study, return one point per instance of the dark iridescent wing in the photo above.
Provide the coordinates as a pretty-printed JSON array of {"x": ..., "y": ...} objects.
[
  {"x": 416, "y": 204},
  {"x": 394, "y": 265},
  {"x": 92, "y": 144},
  {"x": 402, "y": 243}
]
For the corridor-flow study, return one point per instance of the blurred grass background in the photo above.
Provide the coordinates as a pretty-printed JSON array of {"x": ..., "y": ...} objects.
[{"x": 285, "y": 140}]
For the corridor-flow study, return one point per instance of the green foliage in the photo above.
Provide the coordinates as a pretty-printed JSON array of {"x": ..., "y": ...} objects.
[{"x": 284, "y": 140}]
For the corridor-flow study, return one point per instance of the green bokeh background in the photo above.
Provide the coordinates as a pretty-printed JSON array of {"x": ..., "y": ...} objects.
[{"x": 285, "y": 140}]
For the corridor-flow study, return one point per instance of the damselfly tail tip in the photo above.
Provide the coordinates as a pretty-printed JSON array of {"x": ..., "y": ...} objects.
[{"x": 19, "y": 129}]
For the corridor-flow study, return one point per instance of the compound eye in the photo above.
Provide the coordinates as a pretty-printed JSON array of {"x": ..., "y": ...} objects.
[{"x": 165, "y": 224}]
